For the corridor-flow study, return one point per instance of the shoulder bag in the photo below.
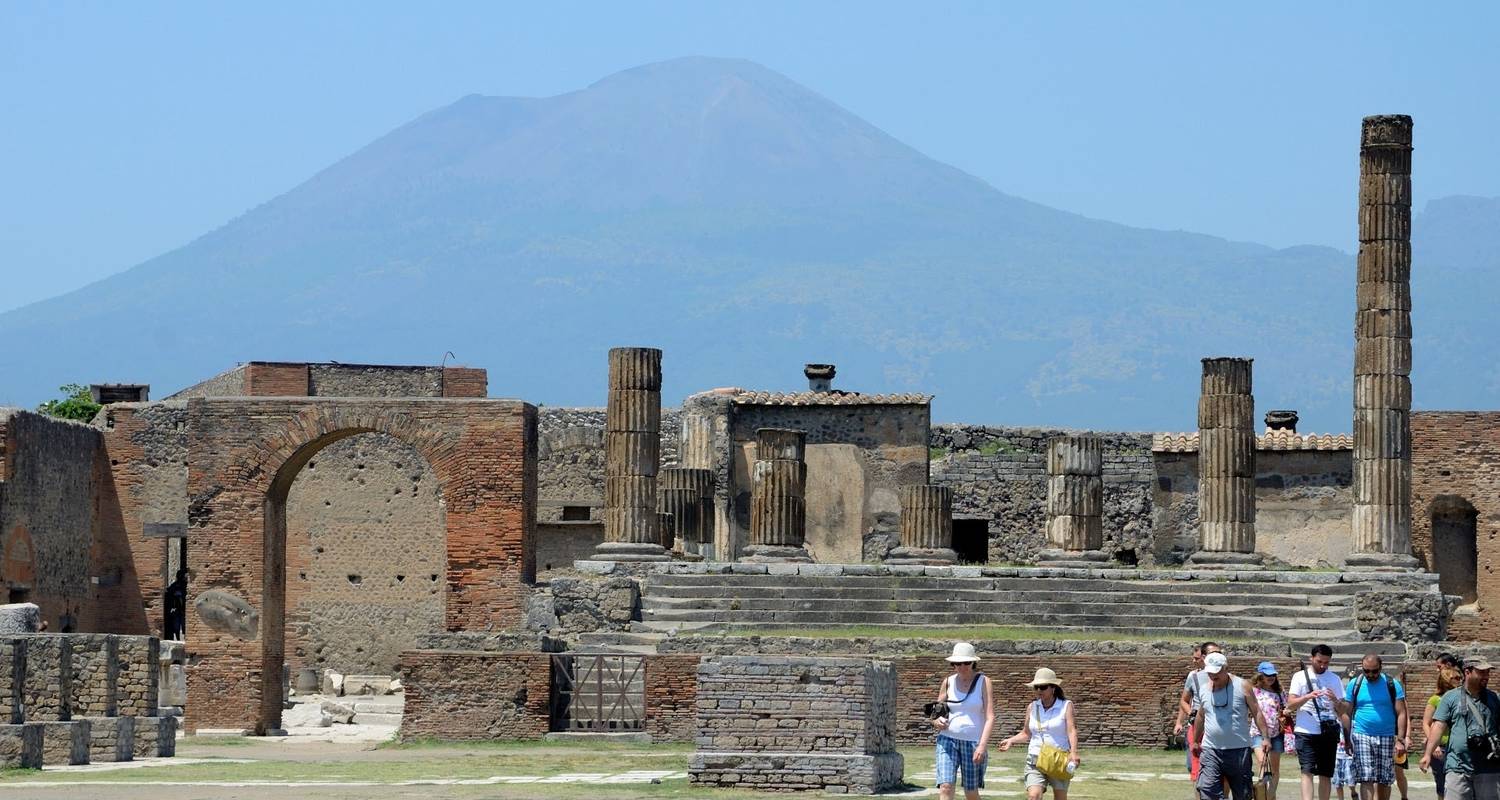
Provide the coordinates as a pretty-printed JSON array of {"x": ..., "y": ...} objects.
[
  {"x": 1052, "y": 761},
  {"x": 1326, "y": 727}
]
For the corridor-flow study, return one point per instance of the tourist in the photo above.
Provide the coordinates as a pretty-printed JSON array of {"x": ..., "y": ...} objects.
[
  {"x": 1377, "y": 705},
  {"x": 964, "y": 733},
  {"x": 1227, "y": 709},
  {"x": 1049, "y": 721},
  {"x": 1187, "y": 702},
  {"x": 1343, "y": 768},
  {"x": 1470, "y": 717},
  {"x": 1317, "y": 695},
  {"x": 1449, "y": 678},
  {"x": 1272, "y": 702}
]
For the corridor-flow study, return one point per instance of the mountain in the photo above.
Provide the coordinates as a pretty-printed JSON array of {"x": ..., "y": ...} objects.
[{"x": 746, "y": 224}]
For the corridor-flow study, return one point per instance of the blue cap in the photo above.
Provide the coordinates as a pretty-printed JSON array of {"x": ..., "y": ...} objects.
[{"x": 1266, "y": 668}]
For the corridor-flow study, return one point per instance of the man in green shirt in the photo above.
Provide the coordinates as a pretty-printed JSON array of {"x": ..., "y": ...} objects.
[{"x": 1471, "y": 715}]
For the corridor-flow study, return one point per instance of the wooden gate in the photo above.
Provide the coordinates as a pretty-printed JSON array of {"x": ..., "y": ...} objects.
[{"x": 598, "y": 692}]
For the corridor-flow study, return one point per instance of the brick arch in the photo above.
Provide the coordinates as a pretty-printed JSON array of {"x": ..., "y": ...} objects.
[{"x": 244, "y": 453}]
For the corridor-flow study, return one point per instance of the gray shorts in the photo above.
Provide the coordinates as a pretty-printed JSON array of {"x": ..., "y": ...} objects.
[
  {"x": 1216, "y": 766},
  {"x": 1480, "y": 786},
  {"x": 1034, "y": 776}
]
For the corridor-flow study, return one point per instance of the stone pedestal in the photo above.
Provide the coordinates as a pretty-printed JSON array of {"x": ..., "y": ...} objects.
[
  {"x": 926, "y": 526},
  {"x": 111, "y": 739},
  {"x": 1382, "y": 349},
  {"x": 778, "y": 510},
  {"x": 1075, "y": 502},
  {"x": 1226, "y": 466},
  {"x": 691, "y": 502},
  {"x": 65, "y": 743},
  {"x": 21, "y": 746},
  {"x": 155, "y": 737},
  {"x": 632, "y": 452}
]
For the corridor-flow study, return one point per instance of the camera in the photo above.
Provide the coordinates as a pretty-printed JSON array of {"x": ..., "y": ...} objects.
[
  {"x": 935, "y": 710},
  {"x": 1485, "y": 747}
]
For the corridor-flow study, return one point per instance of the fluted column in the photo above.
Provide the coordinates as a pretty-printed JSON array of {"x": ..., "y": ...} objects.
[
  {"x": 1382, "y": 348},
  {"x": 778, "y": 511},
  {"x": 1075, "y": 501},
  {"x": 1226, "y": 465},
  {"x": 688, "y": 495},
  {"x": 632, "y": 451},
  {"x": 926, "y": 526}
]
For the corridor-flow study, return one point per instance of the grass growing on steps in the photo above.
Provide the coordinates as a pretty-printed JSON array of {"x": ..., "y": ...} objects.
[{"x": 972, "y": 633}]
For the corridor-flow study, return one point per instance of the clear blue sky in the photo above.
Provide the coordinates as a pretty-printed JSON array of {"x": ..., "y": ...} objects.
[{"x": 130, "y": 128}]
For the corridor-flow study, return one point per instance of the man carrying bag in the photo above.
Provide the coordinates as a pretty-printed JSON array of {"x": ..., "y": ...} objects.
[{"x": 1470, "y": 715}]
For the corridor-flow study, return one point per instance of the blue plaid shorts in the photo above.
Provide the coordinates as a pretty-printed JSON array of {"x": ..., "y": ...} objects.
[
  {"x": 1374, "y": 759},
  {"x": 956, "y": 756}
]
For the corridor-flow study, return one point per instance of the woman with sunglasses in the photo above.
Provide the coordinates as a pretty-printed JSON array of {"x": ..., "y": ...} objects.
[
  {"x": 964, "y": 734},
  {"x": 1049, "y": 720}
]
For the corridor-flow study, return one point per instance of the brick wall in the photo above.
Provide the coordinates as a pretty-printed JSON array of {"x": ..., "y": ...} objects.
[
  {"x": 671, "y": 696},
  {"x": 1456, "y": 468},
  {"x": 265, "y": 379},
  {"x": 475, "y": 694},
  {"x": 245, "y": 453},
  {"x": 465, "y": 382}
]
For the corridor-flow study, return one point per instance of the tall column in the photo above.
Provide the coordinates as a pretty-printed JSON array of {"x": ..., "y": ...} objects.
[
  {"x": 778, "y": 511},
  {"x": 688, "y": 494},
  {"x": 632, "y": 451},
  {"x": 1075, "y": 502},
  {"x": 1226, "y": 465},
  {"x": 1382, "y": 349},
  {"x": 926, "y": 526}
]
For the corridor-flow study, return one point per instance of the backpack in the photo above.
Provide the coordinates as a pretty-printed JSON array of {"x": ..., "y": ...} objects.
[{"x": 1389, "y": 684}]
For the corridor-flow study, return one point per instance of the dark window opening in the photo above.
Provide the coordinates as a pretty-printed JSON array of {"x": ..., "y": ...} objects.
[
  {"x": 575, "y": 513},
  {"x": 20, "y": 595},
  {"x": 971, "y": 540},
  {"x": 1455, "y": 547},
  {"x": 1128, "y": 557}
]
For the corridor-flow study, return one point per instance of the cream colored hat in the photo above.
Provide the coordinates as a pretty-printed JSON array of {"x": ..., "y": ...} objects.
[
  {"x": 963, "y": 651},
  {"x": 1044, "y": 677}
]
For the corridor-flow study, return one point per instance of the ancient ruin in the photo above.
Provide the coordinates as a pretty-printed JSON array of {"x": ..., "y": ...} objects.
[
  {"x": 1226, "y": 464},
  {"x": 632, "y": 445},
  {"x": 778, "y": 506},
  {"x": 1075, "y": 501},
  {"x": 926, "y": 526}
]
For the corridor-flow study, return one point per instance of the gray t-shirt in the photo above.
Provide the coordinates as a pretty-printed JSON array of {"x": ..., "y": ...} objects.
[{"x": 1226, "y": 714}]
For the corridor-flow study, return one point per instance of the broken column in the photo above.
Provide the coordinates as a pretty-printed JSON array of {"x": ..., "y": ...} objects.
[
  {"x": 1075, "y": 501},
  {"x": 926, "y": 526},
  {"x": 1226, "y": 466},
  {"x": 778, "y": 512},
  {"x": 1382, "y": 349},
  {"x": 632, "y": 452},
  {"x": 688, "y": 495}
]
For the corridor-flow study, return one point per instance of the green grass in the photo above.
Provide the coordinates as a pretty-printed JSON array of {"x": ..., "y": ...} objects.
[
  {"x": 935, "y": 453},
  {"x": 971, "y": 633}
]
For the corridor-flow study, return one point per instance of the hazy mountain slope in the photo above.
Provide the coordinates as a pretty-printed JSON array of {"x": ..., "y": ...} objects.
[{"x": 745, "y": 224}]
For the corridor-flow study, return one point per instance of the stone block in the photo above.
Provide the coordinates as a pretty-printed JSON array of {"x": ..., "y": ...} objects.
[
  {"x": 48, "y": 693},
  {"x": 595, "y": 567},
  {"x": 111, "y": 739},
  {"x": 21, "y": 746},
  {"x": 366, "y": 684},
  {"x": 1384, "y": 222},
  {"x": 1382, "y": 355},
  {"x": 1381, "y": 434},
  {"x": 65, "y": 743},
  {"x": 1383, "y": 390},
  {"x": 12, "y": 679},
  {"x": 635, "y": 368},
  {"x": 19, "y": 618},
  {"x": 155, "y": 737}
]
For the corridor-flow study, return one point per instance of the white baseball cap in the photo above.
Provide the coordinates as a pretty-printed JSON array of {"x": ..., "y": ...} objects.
[{"x": 1214, "y": 663}]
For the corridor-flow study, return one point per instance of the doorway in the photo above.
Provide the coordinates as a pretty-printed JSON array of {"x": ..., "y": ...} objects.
[
  {"x": 1455, "y": 547},
  {"x": 971, "y": 540}
]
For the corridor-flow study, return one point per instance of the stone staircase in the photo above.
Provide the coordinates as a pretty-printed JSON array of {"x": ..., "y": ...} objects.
[{"x": 1300, "y": 613}]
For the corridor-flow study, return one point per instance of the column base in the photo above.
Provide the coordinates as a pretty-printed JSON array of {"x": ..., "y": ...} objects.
[
  {"x": 1215, "y": 559},
  {"x": 630, "y": 551},
  {"x": 1052, "y": 557},
  {"x": 774, "y": 554},
  {"x": 1381, "y": 562},
  {"x": 933, "y": 556}
]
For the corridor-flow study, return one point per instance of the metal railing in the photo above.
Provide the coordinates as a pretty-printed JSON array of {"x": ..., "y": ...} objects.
[{"x": 598, "y": 692}]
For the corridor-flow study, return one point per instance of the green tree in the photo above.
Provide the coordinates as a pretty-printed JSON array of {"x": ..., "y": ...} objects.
[{"x": 76, "y": 403}]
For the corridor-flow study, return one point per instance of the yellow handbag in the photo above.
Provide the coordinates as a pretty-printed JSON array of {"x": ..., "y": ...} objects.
[{"x": 1052, "y": 761}]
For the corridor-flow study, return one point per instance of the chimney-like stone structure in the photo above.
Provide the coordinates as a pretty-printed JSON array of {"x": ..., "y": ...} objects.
[
  {"x": 778, "y": 506},
  {"x": 1075, "y": 502},
  {"x": 1382, "y": 349},
  {"x": 1226, "y": 465},
  {"x": 1282, "y": 420},
  {"x": 926, "y": 526},
  {"x": 632, "y": 452},
  {"x": 688, "y": 495},
  {"x": 819, "y": 377}
]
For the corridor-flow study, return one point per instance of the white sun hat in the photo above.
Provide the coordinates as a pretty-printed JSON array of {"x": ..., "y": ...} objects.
[{"x": 963, "y": 651}]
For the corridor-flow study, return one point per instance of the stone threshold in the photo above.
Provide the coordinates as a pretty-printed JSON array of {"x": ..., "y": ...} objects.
[{"x": 641, "y": 569}]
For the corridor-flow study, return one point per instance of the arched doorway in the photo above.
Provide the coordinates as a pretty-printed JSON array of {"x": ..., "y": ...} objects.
[
  {"x": 244, "y": 455},
  {"x": 1455, "y": 547}
]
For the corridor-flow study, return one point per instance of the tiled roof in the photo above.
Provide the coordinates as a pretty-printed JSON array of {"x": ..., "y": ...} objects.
[
  {"x": 1270, "y": 440},
  {"x": 834, "y": 398}
]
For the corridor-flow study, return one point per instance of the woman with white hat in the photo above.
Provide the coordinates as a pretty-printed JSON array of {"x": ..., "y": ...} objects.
[
  {"x": 1049, "y": 721},
  {"x": 964, "y": 732}
]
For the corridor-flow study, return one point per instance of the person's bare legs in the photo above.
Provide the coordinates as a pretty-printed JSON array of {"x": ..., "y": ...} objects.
[
  {"x": 945, "y": 791},
  {"x": 1275, "y": 775},
  {"x": 1324, "y": 787},
  {"x": 1401, "y": 781}
]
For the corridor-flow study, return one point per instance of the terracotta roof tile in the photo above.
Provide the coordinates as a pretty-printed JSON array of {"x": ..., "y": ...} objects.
[
  {"x": 1270, "y": 440},
  {"x": 834, "y": 398}
]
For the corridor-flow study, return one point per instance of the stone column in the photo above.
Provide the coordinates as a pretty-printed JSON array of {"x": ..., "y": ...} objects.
[
  {"x": 1075, "y": 502},
  {"x": 926, "y": 526},
  {"x": 778, "y": 512},
  {"x": 1382, "y": 349},
  {"x": 1226, "y": 466},
  {"x": 632, "y": 451},
  {"x": 689, "y": 495}
]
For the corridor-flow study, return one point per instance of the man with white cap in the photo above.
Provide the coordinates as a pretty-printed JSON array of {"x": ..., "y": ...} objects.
[
  {"x": 964, "y": 730},
  {"x": 1221, "y": 734}
]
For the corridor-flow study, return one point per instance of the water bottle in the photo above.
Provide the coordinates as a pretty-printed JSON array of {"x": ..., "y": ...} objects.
[{"x": 1072, "y": 766}]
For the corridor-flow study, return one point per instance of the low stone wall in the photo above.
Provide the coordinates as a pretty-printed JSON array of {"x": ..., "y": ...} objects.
[
  {"x": 1398, "y": 616},
  {"x": 48, "y": 678},
  {"x": 66, "y": 742},
  {"x": 475, "y": 694},
  {"x": 111, "y": 738},
  {"x": 21, "y": 746},
  {"x": 793, "y": 723},
  {"x": 96, "y": 668},
  {"x": 671, "y": 697},
  {"x": 155, "y": 737},
  {"x": 568, "y": 605}
]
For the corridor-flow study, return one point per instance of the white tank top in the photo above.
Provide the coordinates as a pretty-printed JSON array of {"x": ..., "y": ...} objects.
[
  {"x": 966, "y": 715},
  {"x": 1048, "y": 726}
]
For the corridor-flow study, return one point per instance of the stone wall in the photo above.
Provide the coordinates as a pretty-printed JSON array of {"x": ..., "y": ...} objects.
[
  {"x": 1000, "y": 474},
  {"x": 570, "y": 459},
  {"x": 794, "y": 723},
  {"x": 1397, "y": 616},
  {"x": 475, "y": 695},
  {"x": 671, "y": 697},
  {"x": 568, "y": 605},
  {"x": 96, "y": 668},
  {"x": 355, "y": 380},
  {"x": 365, "y": 555},
  {"x": 49, "y": 482},
  {"x": 1455, "y": 494}
]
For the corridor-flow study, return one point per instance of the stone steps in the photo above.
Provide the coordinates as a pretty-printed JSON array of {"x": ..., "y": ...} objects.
[
  {"x": 1062, "y": 603},
  {"x": 909, "y": 582},
  {"x": 1188, "y": 620},
  {"x": 1037, "y": 593}
]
